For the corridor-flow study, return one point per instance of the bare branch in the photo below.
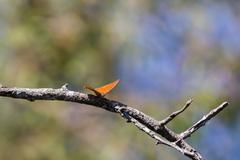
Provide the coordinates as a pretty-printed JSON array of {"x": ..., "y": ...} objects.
[
  {"x": 174, "y": 114},
  {"x": 157, "y": 138},
  {"x": 144, "y": 129},
  {"x": 61, "y": 94},
  {"x": 141, "y": 120},
  {"x": 165, "y": 132},
  {"x": 203, "y": 121}
]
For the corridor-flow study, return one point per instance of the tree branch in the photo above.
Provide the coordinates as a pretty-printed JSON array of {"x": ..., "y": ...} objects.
[
  {"x": 174, "y": 114},
  {"x": 203, "y": 121},
  {"x": 147, "y": 124},
  {"x": 191, "y": 154}
]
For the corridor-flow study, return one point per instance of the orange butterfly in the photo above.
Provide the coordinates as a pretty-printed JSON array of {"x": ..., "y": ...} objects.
[{"x": 102, "y": 91}]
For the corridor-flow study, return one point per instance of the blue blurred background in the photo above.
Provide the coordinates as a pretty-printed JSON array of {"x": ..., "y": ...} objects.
[{"x": 164, "y": 52}]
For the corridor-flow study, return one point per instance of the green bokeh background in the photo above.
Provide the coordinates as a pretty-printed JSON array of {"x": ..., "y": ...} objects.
[{"x": 47, "y": 43}]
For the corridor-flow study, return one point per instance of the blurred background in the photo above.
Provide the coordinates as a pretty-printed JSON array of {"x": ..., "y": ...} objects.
[{"x": 164, "y": 52}]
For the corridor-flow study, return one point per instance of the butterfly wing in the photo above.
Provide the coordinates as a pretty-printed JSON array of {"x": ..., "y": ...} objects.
[
  {"x": 101, "y": 91},
  {"x": 107, "y": 88}
]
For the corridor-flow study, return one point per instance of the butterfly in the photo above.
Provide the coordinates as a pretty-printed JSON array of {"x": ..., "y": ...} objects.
[{"x": 103, "y": 90}]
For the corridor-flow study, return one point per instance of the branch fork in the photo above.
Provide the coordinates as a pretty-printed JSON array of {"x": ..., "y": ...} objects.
[{"x": 153, "y": 128}]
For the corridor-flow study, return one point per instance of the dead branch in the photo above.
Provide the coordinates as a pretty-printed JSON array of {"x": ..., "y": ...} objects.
[
  {"x": 203, "y": 120},
  {"x": 174, "y": 114},
  {"x": 146, "y": 123}
]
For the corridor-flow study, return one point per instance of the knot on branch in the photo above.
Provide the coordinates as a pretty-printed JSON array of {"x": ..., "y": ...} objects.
[{"x": 65, "y": 87}]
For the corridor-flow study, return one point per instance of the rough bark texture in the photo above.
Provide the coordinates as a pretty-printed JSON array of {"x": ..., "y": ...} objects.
[{"x": 145, "y": 123}]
